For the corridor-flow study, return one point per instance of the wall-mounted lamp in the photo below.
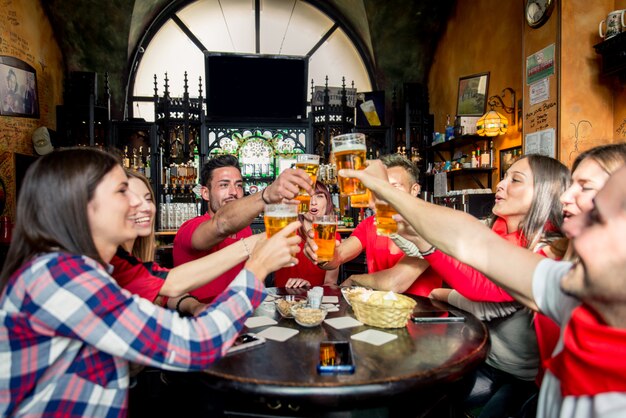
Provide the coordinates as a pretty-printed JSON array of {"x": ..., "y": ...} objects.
[{"x": 493, "y": 123}]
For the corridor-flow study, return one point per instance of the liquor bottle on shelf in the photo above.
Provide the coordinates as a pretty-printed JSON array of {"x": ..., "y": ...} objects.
[
  {"x": 148, "y": 165},
  {"x": 140, "y": 168},
  {"x": 449, "y": 129},
  {"x": 126, "y": 159},
  {"x": 473, "y": 161},
  {"x": 485, "y": 157}
]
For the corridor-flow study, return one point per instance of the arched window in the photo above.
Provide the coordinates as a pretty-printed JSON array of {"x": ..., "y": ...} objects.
[{"x": 176, "y": 43}]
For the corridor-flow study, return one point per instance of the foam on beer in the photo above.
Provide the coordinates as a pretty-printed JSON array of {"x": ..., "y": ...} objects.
[{"x": 349, "y": 147}]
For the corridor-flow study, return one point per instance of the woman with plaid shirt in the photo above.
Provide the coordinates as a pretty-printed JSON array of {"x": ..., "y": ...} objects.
[{"x": 67, "y": 330}]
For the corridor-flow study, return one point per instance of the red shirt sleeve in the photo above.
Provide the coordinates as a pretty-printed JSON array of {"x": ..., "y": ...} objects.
[
  {"x": 468, "y": 281},
  {"x": 137, "y": 277}
]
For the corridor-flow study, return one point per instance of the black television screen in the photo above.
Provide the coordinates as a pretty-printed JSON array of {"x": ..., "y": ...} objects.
[{"x": 264, "y": 87}]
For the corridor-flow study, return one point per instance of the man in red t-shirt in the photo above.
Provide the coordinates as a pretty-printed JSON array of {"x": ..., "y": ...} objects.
[
  {"x": 229, "y": 216},
  {"x": 387, "y": 266}
]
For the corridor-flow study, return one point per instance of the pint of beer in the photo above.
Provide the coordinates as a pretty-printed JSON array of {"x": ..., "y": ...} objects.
[
  {"x": 324, "y": 229},
  {"x": 361, "y": 200},
  {"x": 277, "y": 216},
  {"x": 309, "y": 163},
  {"x": 385, "y": 225},
  {"x": 350, "y": 152}
]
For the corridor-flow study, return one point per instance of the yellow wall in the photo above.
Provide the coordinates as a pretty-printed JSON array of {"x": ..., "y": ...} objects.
[
  {"x": 26, "y": 34},
  {"x": 477, "y": 41},
  {"x": 586, "y": 116},
  {"x": 585, "y": 108}
]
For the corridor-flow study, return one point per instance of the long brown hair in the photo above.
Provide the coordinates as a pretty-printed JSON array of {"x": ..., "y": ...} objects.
[
  {"x": 543, "y": 221},
  {"x": 143, "y": 247},
  {"x": 52, "y": 206}
]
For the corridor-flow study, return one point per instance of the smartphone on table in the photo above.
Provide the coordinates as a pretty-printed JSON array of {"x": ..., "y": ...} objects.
[
  {"x": 335, "y": 357},
  {"x": 245, "y": 342},
  {"x": 435, "y": 317}
]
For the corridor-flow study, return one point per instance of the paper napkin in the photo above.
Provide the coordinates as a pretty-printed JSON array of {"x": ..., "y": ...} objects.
[
  {"x": 374, "y": 337},
  {"x": 330, "y": 299},
  {"x": 278, "y": 333},
  {"x": 259, "y": 321},
  {"x": 343, "y": 322},
  {"x": 330, "y": 307}
]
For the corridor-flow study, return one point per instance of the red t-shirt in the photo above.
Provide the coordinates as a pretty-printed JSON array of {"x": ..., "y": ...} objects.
[
  {"x": 183, "y": 253},
  {"x": 305, "y": 269},
  {"x": 380, "y": 251},
  {"x": 140, "y": 278},
  {"x": 381, "y": 254}
]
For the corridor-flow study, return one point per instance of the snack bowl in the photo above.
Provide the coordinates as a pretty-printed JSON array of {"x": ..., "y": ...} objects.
[
  {"x": 352, "y": 291},
  {"x": 284, "y": 304},
  {"x": 308, "y": 316}
]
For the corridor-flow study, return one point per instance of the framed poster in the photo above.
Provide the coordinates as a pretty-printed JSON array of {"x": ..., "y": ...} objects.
[
  {"x": 472, "y": 98},
  {"x": 18, "y": 88},
  {"x": 507, "y": 157}
]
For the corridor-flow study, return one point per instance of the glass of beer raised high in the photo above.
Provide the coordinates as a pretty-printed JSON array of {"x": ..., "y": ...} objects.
[
  {"x": 361, "y": 200},
  {"x": 350, "y": 152},
  {"x": 324, "y": 230},
  {"x": 277, "y": 216},
  {"x": 385, "y": 225},
  {"x": 309, "y": 163}
]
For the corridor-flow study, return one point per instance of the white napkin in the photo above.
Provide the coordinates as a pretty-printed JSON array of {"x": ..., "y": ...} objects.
[
  {"x": 374, "y": 337},
  {"x": 343, "y": 322},
  {"x": 259, "y": 321},
  {"x": 330, "y": 299},
  {"x": 278, "y": 333}
]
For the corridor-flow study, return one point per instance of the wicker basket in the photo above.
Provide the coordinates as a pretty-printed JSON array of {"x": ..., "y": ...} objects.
[{"x": 382, "y": 313}]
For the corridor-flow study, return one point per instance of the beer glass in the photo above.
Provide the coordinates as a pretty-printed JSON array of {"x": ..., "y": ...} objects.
[
  {"x": 361, "y": 200},
  {"x": 309, "y": 163},
  {"x": 385, "y": 225},
  {"x": 350, "y": 152},
  {"x": 277, "y": 216},
  {"x": 324, "y": 230}
]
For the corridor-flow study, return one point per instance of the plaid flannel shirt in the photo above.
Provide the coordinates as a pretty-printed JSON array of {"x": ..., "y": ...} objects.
[{"x": 67, "y": 333}]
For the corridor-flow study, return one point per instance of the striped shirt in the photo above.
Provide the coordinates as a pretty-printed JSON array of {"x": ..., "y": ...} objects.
[{"x": 67, "y": 333}]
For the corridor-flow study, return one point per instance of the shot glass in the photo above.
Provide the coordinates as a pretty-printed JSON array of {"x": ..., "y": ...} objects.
[
  {"x": 277, "y": 216},
  {"x": 324, "y": 230},
  {"x": 350, "y": 152}
]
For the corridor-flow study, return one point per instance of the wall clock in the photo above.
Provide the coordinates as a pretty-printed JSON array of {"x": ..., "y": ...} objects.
[{"x": 538, "y": 12}]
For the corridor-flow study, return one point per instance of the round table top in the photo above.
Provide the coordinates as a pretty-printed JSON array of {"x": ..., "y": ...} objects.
[{"x": 421, "y": 356}]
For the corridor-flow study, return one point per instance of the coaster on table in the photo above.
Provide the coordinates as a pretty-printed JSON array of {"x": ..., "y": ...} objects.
[
  {"x": 330, "y": 299},
  {"x": 374, "y": 337},
  {"x": 330, "y": 307},
  {"x": 278, "y": 333},
  {"x": 259, "y": 321},
  {"x": 343, "y": 322}
]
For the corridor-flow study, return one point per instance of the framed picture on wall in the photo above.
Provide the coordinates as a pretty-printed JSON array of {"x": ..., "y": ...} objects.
[
  {"x": 472, "y": 98},
  {"x": 18, "y": 88},
  {"x": 507, "y": 157}
]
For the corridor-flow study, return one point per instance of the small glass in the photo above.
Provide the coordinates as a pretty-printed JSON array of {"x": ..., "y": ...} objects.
[
  {"x": 361, "y": 200},
  {"x": 277, "y": 216},
  {"x": 350, "y": 152},
  {"x": 324, "y": 230},
  {"x": 385, "y": 225}
]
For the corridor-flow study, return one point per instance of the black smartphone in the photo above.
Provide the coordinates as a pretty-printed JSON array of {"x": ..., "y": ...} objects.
[
  {"x": 245, "y": 342},
  {"x": 435, "y": 317},
  {"x": 335, "y": 357}
]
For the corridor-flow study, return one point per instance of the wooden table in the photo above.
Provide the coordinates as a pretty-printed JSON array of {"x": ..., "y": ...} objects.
[{"x": 418, "y": 367}]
